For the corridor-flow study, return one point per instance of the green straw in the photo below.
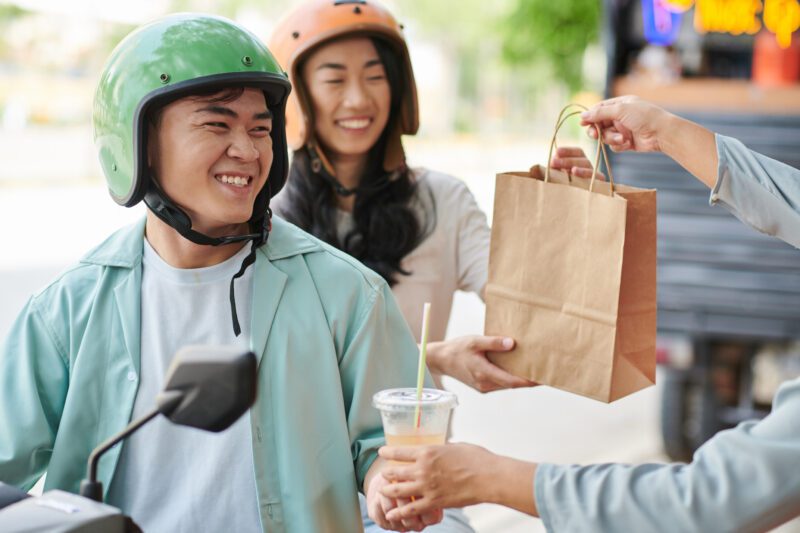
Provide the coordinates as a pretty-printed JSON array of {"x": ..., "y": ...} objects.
[{"x": 423, "y": 348}]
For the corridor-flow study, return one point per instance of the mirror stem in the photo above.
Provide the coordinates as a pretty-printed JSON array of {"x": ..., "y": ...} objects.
[
  {"x": 90, "y": 487},
  {"x": 93, "y": 489}
]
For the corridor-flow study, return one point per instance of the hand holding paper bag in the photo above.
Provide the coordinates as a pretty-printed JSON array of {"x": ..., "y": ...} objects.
[{"x": 572, "y": 277}]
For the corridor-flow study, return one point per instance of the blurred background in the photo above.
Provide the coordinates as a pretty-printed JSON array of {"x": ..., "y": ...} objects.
[{"x": 492, "y": 77}]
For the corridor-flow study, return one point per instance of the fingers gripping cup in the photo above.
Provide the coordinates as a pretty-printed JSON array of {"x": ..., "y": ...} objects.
[{"x": 404, "y": 425}]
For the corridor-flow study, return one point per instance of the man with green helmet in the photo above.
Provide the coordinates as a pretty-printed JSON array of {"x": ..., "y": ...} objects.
[{"x": 189, "y": 118}]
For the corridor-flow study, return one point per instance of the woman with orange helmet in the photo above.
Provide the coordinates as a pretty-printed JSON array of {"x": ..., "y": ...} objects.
[{"x": 354, "y": 97}]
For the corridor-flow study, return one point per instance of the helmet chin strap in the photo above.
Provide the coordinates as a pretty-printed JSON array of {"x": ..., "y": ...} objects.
[
  {"x": 266, "y": 227},
  {"x": 319, "y": 167},
  {"x": 165, "y": 209}
]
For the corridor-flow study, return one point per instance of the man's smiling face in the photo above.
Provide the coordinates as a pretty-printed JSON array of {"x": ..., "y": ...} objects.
[{"x": 211, "y": 155}]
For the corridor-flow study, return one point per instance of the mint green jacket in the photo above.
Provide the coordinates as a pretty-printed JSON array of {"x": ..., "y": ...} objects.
[{"x": 327, "y": 334}]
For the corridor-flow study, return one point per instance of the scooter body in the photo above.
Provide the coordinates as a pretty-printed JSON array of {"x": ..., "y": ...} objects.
[{"x": 58, "y": 511}]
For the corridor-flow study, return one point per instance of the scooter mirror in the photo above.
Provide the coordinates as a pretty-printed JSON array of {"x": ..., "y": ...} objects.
[{"x": 208, "y": 387}]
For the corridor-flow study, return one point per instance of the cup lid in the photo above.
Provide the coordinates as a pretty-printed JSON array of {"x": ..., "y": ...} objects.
[{"x": 406, "y": 398}]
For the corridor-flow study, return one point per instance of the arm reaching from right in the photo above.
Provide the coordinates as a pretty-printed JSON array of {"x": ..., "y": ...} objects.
[
  {"x": 761, "y": 192},
  {"x": 743, "y": 479},
  {"x": 629, "y": 123}
]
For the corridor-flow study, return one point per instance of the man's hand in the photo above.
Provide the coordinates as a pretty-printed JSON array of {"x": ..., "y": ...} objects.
[
  {"x": 464, "y": 359},
  {"x": 379, "y": 505}
]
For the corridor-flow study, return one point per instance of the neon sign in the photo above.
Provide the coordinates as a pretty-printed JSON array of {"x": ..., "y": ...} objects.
[
  {"x": 781, "y": 17},
  {"x": 661, "y": 25},
  {"x": 678, "y": 6},
  {"x": 725, "y": 16}
]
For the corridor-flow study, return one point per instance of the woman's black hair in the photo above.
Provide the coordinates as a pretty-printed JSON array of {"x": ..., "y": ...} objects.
[{"x": 387, "y": 224}]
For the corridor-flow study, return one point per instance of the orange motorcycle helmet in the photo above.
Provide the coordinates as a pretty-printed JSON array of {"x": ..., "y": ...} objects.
[{"x": 319, "y": 21}]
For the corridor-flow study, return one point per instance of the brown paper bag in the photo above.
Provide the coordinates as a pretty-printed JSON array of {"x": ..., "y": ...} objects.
[{"x": 572, "y": 277}]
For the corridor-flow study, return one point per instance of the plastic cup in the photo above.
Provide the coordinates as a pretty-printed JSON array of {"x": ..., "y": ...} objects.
[{"x": 398, "y": 409}]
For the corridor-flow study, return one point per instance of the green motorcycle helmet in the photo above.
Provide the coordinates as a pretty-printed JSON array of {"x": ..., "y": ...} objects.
[
  {"x": 158, "y": 63},
  {"x": 163, "y": 61}
]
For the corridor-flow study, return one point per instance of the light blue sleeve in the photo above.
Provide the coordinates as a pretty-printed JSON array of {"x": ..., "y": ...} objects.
[
  {"x": 33, "y": 388},
  {"x": 743, "y": 479},
  {"x": 380, "y": 354},
  {"x": 761, "y": 192}
]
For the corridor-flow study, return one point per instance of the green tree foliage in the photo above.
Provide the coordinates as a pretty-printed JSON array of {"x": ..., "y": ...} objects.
[
  {"x": 231, "y": 8},
  {"x": 8, "y": 14},
  {"x": 469, "y": 31},
  {"x": 554, "y": 31}
]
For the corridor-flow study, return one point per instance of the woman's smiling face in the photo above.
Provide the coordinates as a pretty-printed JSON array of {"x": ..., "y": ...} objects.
[{"x": 350, "y": 96}]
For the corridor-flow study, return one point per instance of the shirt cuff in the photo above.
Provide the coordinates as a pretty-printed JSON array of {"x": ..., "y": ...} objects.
[
  {"x": 543, "y": 472},
  {"x": 722, "y": 173},
  {"x": 366, "y": 456}
]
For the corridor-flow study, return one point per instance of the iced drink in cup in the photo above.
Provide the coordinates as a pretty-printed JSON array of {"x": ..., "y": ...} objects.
[{"x": 398, "y": 409}]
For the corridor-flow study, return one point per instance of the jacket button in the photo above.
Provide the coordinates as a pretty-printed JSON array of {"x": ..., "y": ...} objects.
[{"x": 131, "y": 376}]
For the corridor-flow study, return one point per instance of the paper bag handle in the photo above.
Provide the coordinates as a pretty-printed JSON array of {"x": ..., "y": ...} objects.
[{"x": 601, "y": 147}]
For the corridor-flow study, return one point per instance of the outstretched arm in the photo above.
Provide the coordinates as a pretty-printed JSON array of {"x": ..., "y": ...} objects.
[
  {"x": 761, "y": 192},
  {"x": 743, "y": 479},
  {"x": 629, "y": 123}
]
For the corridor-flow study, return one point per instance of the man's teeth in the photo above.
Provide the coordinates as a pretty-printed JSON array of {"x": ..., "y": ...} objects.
[
  {"x": 234, "y": 180},
  {"x": 355, "y": 124}
]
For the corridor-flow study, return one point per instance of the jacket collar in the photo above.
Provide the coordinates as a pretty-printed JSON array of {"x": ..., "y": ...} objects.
[
  {"x": 287, "y": 240},
  {"x": 124, "y": 247}
]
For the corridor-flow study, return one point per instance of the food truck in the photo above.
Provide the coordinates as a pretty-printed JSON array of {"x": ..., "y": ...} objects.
[{"x": 728, "y": 296}]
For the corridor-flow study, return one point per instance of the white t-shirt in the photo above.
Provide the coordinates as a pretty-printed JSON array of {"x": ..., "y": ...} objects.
[
  {"x": 177, "y": 478},
  {"x": 454, "y": 256}
]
